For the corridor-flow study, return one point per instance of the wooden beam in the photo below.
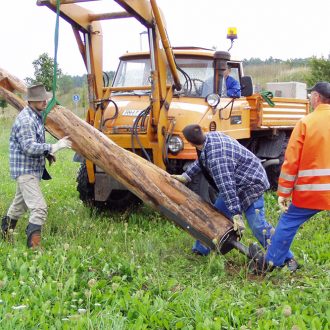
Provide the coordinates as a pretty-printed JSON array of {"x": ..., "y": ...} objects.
[
  {"x": 10, "y": 82},
  {"x": 12, "y": 99}
]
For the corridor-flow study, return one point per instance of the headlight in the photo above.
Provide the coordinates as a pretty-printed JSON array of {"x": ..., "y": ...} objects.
[
  {"x": 175, "y": 144},
  {"x": 213, "y": 100}
]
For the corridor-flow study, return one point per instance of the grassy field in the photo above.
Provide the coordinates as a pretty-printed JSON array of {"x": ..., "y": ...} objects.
[
  {"x": 278, "y": 72},
  {"x": 135, "y": 270}
]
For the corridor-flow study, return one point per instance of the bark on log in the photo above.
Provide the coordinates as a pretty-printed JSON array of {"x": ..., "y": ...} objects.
[
  {"x": 12, "y": 99},
  {"x": 10, "y": 82},
  {"x": 151, "y": 184}
]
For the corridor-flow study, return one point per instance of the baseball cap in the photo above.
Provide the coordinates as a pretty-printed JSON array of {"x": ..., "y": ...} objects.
[{"x": 322, "y": 87}]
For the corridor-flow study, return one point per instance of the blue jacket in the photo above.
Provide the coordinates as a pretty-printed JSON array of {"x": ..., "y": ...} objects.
[{"x": 233, "y": 87}]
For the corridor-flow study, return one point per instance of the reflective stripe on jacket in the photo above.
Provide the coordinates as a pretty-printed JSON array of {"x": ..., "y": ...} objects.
[{"x": 305, "y": 173}]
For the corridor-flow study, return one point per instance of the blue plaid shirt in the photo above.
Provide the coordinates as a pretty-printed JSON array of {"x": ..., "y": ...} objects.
[
  {"x": 237, "y": 172},
  {"x": 27, "y": 145}
]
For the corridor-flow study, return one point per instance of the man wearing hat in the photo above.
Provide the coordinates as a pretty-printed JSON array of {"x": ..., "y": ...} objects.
[
  {"x": 28, "y": 152},
  {"x": 237, "y": 174},
  {"x": 305, "y": 174}
]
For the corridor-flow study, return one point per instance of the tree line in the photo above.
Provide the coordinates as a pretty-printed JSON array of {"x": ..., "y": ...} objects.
[
  {"x": 294, "y": 62},
  {"x": 44, "y": 71}
]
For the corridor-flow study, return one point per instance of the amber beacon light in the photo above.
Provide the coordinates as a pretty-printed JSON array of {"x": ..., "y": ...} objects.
[{"x": 231, "y": 35}]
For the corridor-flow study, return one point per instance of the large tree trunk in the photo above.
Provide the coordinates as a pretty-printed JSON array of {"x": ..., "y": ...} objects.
[
  {"x": 147, "y": 181},
  {"x": 10, "y": 82}
]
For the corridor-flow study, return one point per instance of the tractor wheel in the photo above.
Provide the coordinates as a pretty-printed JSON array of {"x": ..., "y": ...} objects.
[
  {"x": 85, "y": 189},
  {"x": 201, "y": 187},
  {"x": 118, "y": 200}
]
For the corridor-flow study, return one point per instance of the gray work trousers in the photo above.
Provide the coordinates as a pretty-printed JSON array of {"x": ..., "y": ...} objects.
[{"x": 28, "y": 197}]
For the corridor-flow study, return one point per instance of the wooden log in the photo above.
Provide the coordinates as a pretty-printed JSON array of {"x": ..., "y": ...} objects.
[
  {"x": 12, "y": 99},
  {"x": 10, "y": 82},
  {"x": 151, "y": 184}
]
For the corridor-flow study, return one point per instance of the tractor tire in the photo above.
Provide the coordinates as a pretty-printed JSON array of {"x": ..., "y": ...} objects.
[
  {"x": 118, "y": 200},
  {"x": 201, "y": 187},
  {"x": 85, "y": 189},
  {"x": 274, "y": 171},
  {"x": 121, "y": 200}
]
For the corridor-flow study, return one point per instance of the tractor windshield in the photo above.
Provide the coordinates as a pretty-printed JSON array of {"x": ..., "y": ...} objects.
[
  {"x": 133, "y": 72},
  {"x": 196, "y": 75}
]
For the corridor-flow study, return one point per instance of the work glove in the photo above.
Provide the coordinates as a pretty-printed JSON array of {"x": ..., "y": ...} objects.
[
  {"x": 284, "y": 203},
  {"x": 61, "y": 144},
  {"x": 239, "y": 225},
  {"x": 51, "y": 159},
  {"x": 180, "y": 178}
]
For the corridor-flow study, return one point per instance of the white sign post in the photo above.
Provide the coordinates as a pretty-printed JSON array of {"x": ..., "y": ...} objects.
[{"x": 76, "y": 99}]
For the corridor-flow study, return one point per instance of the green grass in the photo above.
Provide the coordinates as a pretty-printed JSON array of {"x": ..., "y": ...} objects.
[{"x": 135, "y": 270}]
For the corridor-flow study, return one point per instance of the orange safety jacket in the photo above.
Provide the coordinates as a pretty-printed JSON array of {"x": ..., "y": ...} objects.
[{"x": 305, "y": 172}]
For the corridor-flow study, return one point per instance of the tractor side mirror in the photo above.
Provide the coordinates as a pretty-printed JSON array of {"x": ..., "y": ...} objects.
[{"x": 246, "y": 86}]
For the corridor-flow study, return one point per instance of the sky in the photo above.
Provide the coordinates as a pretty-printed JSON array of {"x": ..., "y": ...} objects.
[{"x": 282, "y": 29}]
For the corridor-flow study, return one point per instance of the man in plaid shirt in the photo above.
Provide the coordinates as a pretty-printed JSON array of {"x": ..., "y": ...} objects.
[
  {"x": 28, "y": 151},
  {"x": 237, "y": 175}
]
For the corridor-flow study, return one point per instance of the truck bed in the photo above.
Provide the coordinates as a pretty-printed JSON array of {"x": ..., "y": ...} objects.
[{"x": 286, "y": 112}]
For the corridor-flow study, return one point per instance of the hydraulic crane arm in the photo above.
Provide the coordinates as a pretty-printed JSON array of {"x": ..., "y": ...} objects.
[
  {"x": 166, "y": 45},
  {"x": 146, "y": 12},
  {"x": 82, "y": 20},
  {"x": 79, "y": 17},
  {"x": 141, "y": 10}
]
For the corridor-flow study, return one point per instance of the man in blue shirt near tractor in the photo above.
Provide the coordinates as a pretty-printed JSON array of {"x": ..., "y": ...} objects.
[
  {"x": 232, "y": 87},
  {"x": 240, "y": 179}
]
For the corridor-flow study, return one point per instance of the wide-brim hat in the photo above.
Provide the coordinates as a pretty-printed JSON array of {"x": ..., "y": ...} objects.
[
  {"x": 38, "y": 93},
  {"x": 322, "y": 87}
]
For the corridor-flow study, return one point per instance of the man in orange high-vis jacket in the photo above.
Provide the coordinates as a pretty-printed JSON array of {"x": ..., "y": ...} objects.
[{"x": 305, "y": 175}]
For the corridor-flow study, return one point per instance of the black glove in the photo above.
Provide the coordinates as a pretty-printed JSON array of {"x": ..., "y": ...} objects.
[{"x": 51, "y": 159}]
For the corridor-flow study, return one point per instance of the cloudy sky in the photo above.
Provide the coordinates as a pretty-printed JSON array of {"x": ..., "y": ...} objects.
[{"x": 282, "y": 29}]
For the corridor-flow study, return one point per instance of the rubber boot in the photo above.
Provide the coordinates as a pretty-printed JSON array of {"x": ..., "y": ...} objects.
[
  {"x": 258, "y": 264},
  {"x": 33, "y": 234},
  {"x": 7, "y": 224}
]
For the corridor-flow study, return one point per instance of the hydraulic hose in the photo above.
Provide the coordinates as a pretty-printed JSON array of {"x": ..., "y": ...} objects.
[{"x": 270, "y": 162}]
